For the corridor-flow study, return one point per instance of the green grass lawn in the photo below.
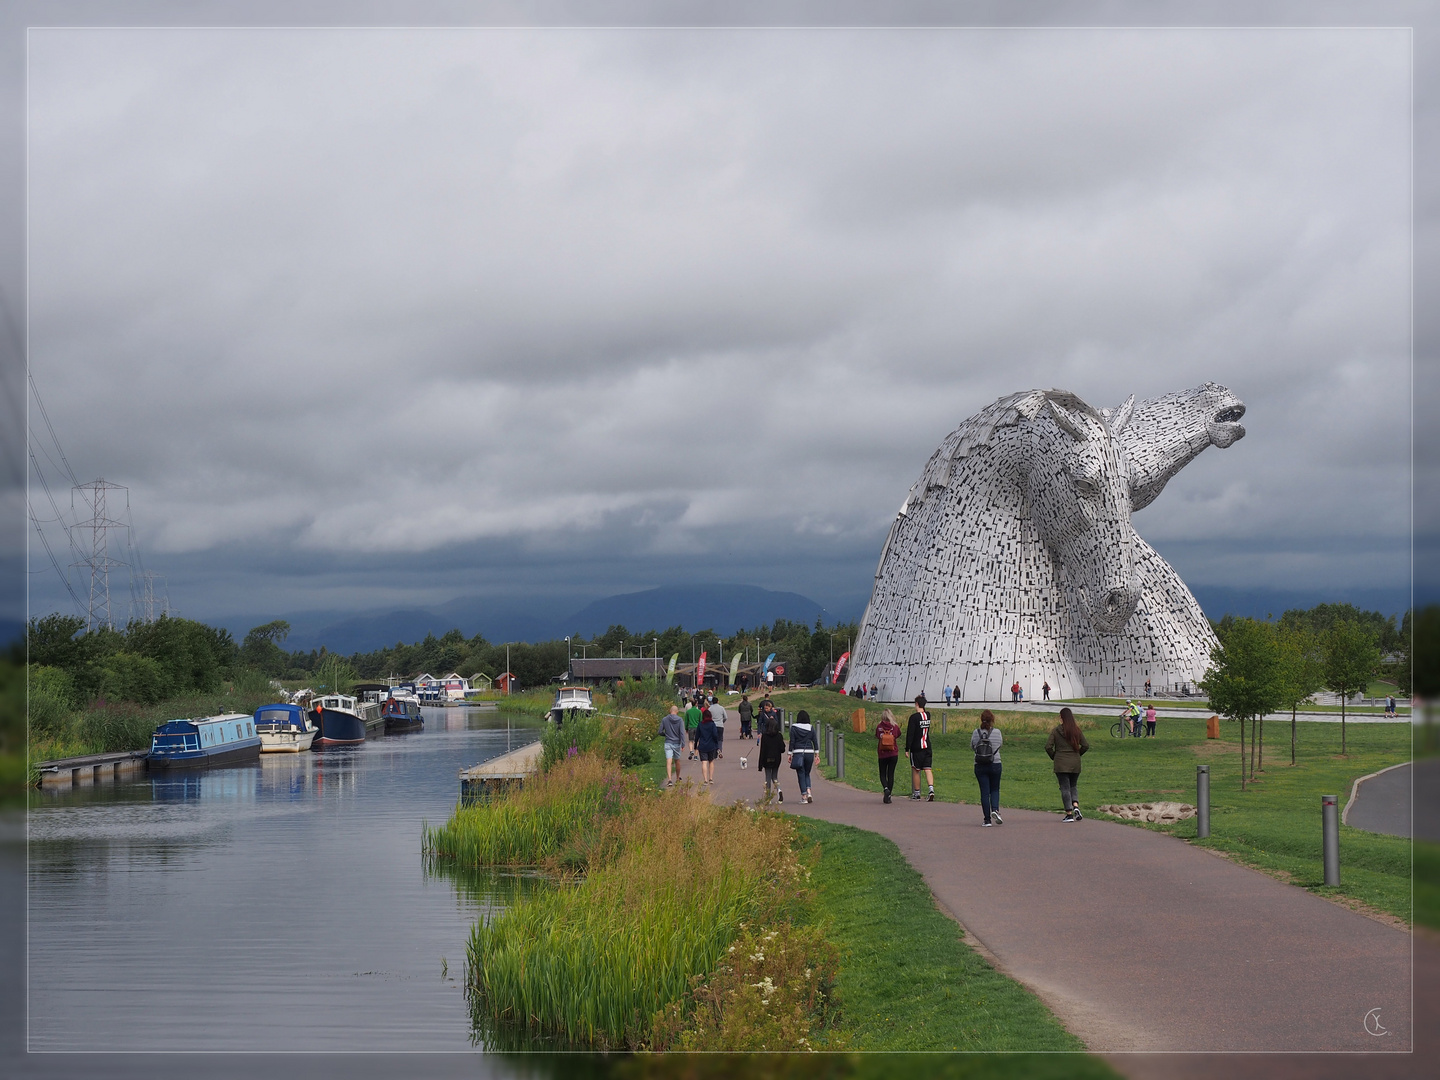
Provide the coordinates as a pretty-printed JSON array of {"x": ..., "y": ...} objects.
[
  {"x": 908, "y": 981},
  {"x": 1273, "y": 826}
]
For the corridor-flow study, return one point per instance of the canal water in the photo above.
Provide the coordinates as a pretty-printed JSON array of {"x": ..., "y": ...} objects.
[{"x": 282, "y": 905}]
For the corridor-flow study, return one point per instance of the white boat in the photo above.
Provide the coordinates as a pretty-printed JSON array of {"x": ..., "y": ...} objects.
[
  {"x": 570, "y": 700},
  {"x": 283, "y": 729}
]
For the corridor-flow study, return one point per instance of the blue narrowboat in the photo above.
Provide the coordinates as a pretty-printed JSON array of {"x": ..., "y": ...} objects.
[
  {"x": 340, "y": 720},
  {"x": 402, "y": 712},
  {"x": 210, "y": 740}
]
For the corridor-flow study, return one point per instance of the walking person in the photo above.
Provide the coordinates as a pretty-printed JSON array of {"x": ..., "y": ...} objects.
[
  {"x": 985, "y": 742},
  {"x": 1045, "y": 689},
  {"x": 692, "y": 724},
  {"x": 887, "y": 746},
  {"x": 772, "y": 749},
  {"x": 1065, "y": 746},
  {"x": 672, "y": 728},
  {"x": 918, "y": 749},
  {"x": 1015, "y": 691},
  {"x": 707, "y": 742},
  {"x": 747, "y": 716},
  {"x": 802, "y": 752},
  {"x": 717, "y": 713},
  {"x": 947, "y": 697},
  {"x": 1149, "y": 721}
]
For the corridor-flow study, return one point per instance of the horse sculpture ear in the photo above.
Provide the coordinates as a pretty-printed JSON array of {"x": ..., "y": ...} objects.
[
  {"x": 1065, "y": 420},
  {"x": 1121, "y": 417}
]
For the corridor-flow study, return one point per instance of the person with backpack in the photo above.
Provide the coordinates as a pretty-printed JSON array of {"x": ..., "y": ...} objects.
[
  {"x": 747, "y": 716},
  {"x": 917, "y": 747},
  {"x": 887, "y": 741},
  {"x": 772, "y": 748},
  {"x": 1065, "y": 746},
  {"x": 802, "y": 752},
  {"x": 985, "y": 741}
]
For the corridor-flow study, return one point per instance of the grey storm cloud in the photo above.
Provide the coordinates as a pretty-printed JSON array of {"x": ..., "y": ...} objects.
[{"x": 675, "y": 299}]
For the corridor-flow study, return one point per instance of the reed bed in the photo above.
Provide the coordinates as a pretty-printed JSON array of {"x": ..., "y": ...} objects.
[
  {"x": 561, "y": 819},
  {"x": 597, "y": 964}
]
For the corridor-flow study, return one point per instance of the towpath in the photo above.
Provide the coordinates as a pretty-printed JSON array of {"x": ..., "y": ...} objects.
[{"x": 1137, "y": 941}]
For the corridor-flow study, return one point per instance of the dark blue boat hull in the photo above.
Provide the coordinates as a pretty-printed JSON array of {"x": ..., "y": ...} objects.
[
  {"x": 336, "y": 727},
  {"x": 228, "y": 754}
]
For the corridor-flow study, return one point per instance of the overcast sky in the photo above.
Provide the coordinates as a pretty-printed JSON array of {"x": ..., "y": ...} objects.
[{"x": 377, "y": 316}]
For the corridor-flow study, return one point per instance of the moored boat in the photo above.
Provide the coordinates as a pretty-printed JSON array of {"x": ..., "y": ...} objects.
[
  {"x": 283, "y": 729},
  {"x": 337, "y": 720},
  {"x": 209, "y": 740},
  {"x": 570, "y": 700},
  {"x": 402, "y": 713}
]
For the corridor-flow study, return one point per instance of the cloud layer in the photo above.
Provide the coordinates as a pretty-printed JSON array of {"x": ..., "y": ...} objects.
[{"x": 603, "y": 309}]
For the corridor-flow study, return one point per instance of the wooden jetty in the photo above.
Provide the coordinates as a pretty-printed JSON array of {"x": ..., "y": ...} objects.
[
  {"x": 90, "y": 769},
  {"x": 479, "y": 782}
]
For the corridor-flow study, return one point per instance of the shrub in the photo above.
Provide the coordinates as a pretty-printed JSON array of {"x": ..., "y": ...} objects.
[
  {"x": 131, "y": 677},
  {"x": 775, "y": 990},
  {"x": 634, "y": 753}
]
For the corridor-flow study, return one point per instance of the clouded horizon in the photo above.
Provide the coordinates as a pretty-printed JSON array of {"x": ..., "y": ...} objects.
[{"x": 363, "y": 317}]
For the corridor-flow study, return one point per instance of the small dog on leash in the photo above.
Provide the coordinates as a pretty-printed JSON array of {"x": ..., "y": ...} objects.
[{"x": 744, "y": 763}]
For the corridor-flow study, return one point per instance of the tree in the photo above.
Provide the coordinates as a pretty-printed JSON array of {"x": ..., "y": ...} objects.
[
  {"x": 261, "y": 648},
  {"x": 1303, "y": 671},
  {"x": 1351, "y": 658},
  {"x": 1245, "y": 679}
]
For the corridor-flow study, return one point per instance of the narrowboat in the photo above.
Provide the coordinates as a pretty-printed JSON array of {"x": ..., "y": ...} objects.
[
  {"x": 283, "y": 729},
  {"x": 210, "y": 740},
  {"x": 402, "y": 713},
  {"x": 337, "y": 720},
  {"x": 570, "y": 700}
]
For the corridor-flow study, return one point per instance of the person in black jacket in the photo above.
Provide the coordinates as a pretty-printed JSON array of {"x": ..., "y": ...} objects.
[
  {"x": 802, "y": 752},
  {"x": 772, "y": 748},
  {"x": 707, "y": 744},
  {"x": 747, "y": 714}
]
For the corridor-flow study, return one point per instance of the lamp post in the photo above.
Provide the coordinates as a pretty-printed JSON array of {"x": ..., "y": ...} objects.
[
  {"x": 655, "y": 666},
  {"x": 509, "y": 676}
]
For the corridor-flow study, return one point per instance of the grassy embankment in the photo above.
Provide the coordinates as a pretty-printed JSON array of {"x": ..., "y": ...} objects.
[
  {"x": 1274, "y": 825},
  {"x": 678, "y": 924}
]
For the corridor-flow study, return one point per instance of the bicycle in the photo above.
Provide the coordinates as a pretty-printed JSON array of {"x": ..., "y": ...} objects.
[{"x": 1123, "y": 728}]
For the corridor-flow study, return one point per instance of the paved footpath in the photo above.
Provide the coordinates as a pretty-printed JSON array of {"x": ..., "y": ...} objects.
[{"x": 1137, "y": 941}]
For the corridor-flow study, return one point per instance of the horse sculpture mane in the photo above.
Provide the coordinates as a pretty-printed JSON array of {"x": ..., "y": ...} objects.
[{"x": 1013, "y": 557}]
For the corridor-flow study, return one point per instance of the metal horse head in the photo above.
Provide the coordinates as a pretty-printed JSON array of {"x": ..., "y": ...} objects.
[{"x": 1079, "y": 500}]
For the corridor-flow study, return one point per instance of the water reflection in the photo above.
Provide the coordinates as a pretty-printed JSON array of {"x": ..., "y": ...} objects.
[{"x": 287, "y": 895}]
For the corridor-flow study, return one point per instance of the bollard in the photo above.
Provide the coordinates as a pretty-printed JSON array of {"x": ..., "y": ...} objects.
[
  {"x": 944, "y": 716},
  {"x": 825, "y": 745},
  {"x": 840, "y": 758},
  {"x": 1330, "y": 828},
  {"x": 1202, "y": 801}
]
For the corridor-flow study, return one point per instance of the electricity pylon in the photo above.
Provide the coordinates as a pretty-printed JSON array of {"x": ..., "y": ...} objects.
[{"x": 96, "y": 558}]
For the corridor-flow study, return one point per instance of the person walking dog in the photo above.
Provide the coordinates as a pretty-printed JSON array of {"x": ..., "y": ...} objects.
[
  {"x": 747, "y": 715},
  {"x": 772, "y": 749},
  {"x": 887, "y": 745},
  {"x": 985, "y": 742},
  {"x": 1065, "y": 746},
  {"x": 917, "y": 747},
  {"x": 802, "y": 752}
]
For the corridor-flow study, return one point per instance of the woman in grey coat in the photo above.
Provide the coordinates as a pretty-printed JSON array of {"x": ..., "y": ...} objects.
[{"x": 1064, "y": 746}]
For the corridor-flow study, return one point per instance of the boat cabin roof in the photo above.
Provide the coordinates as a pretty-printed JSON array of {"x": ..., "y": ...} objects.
[
  {"x": 280, "y": 714},
  {"x": 172, "y": 727},
  {"x": 338, "y": 701}
]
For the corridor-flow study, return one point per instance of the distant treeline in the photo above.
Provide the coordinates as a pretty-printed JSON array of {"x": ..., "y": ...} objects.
[{"x": 150, "y": 662}]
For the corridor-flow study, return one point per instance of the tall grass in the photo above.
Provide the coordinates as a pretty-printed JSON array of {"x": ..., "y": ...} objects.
[
  {"x": 561, "y": 819},
  {"x": 598, "y": 963}
]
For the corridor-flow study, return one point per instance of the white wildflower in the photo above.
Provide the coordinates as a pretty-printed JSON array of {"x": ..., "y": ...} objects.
[{"x": 757, "y": 956}]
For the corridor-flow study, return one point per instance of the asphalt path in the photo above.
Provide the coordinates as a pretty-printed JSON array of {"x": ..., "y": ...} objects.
[
  {"x": 1381, "y": 802},
  {"x": 1136, "y": 940}
]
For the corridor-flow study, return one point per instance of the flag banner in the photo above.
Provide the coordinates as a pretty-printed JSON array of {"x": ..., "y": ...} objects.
[
  {"x": 768, "y": 661},
  {"x": 670, "y": 671},
  {"x": 734, "y": 669},
  {"x": 700, "y": 672},
  {"x": 839, "y": 667}
]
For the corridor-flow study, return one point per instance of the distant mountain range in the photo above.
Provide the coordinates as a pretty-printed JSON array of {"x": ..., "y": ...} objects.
[{"x": 722, "y": 608}]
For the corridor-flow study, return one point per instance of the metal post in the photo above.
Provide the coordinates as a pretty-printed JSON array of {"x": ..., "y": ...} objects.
[
  {"x": 1330, "y": 826},
  {"x": 944, "y": 716},
  {"x": 829, "y": 745},
  {"x": 1202, "y": 801},
  {"x": 840, "y": 759}
]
